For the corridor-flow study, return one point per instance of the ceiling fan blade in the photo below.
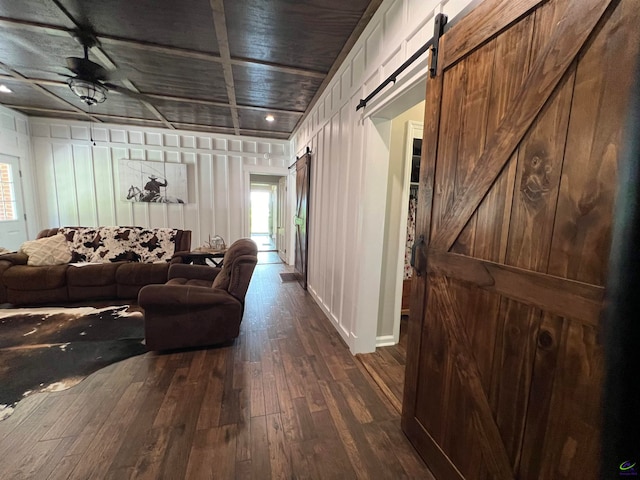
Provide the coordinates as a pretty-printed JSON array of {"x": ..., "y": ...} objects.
[
  {"x": 77, "y": 10},
  {"x": 127, "y": 92},
  {"x": 114, "y": 75}
]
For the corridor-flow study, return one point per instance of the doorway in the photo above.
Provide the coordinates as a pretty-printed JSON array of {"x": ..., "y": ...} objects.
[
  {"x": 267, "y": 216},
  {"x": 387, "y": 364},
  {"x": 13, "y": 228}
]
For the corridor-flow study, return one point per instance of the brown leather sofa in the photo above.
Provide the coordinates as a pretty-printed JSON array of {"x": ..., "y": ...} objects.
[
  {"x": 199, "y": 305},
  {"x": 22, "y": 284}
]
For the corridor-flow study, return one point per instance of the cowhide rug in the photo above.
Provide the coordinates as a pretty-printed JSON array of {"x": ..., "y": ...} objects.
[{"x": 52, "y": 349}]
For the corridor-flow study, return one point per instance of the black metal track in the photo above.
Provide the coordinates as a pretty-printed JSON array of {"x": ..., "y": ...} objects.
[
  {"x": 307, "y": 152},
  {"x": 392, "y": 78},
  {"x": 430, "y": 43}
]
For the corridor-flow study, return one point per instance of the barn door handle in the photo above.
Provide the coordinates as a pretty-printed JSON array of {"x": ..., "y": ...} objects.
[{"x": 418, "y": 256}]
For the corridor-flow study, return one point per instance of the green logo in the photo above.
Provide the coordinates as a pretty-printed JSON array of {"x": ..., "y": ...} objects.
[{"x": 628, "y": 469}]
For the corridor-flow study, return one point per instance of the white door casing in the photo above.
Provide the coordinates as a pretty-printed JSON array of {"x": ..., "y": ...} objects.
[
  {"x": 13, "y": 227},
  {"x": 281, "y": 242}
]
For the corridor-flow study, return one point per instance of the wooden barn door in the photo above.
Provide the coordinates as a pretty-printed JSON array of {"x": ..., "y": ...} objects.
[
  {"x": 301, "y": 218},
  {"x": 523, "y": 125}
]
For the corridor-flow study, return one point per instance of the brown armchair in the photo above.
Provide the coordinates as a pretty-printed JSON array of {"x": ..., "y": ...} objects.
[{"x": 199, "y": 305}]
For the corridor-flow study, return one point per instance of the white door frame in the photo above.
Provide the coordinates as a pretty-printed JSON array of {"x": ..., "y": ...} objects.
[
  {"x": 258, "y": 170},
  {"x": 21, "y": 220},
  {"x": 281, "y": 242},
  {"x": 413, "y": 130},
  {"x": 377, "y": 123}
]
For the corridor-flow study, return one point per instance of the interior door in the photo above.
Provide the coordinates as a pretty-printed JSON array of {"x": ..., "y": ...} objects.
[
  {"x": 301, "y": 218},
  {"x": 13, "y": 225},
  {"x": 523, "y": 125},
  {"x": 281, "y": 243}
]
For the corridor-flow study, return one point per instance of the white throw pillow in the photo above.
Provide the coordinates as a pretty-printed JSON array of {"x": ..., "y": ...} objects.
[{"x": 52, "y": 250}]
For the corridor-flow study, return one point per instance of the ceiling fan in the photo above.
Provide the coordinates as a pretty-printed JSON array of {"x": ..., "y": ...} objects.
[{"x": 90, "y": 80}]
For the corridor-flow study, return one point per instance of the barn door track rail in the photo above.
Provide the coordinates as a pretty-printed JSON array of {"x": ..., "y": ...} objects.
[
  {"x": 440, "y": 28},
  {"x": 432, "y": 43},
  {"x": 307, "y": 152}
]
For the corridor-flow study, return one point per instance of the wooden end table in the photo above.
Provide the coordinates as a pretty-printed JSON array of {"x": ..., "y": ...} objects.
[{"x": 200, "y": 258}]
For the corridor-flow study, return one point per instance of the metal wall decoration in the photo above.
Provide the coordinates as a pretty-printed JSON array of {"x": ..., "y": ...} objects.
[{"x": 153, "y": 182}]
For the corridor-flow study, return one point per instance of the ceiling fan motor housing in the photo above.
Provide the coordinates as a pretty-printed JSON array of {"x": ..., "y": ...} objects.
[{"x": 89, "y": 92}]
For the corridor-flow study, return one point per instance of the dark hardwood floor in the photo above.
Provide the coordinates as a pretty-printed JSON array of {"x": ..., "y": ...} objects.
[
  {"x": 386, "y": 366},
  {"x": 286, "y": 400}
]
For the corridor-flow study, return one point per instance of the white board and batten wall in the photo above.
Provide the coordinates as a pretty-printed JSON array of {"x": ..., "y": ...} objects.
[
  {"x": 350, "y": 171},
  {"x": 78, "y": 183}
]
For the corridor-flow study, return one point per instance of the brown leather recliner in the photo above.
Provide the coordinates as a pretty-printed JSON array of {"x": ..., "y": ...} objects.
[{"x": 199, "y": 305}]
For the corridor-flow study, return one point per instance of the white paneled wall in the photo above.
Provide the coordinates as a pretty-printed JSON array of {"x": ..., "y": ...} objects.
[
  {"x": 78, "y": 182},
  {"x": 350, "y": 177},
  {"x": 15, "y": 141}
]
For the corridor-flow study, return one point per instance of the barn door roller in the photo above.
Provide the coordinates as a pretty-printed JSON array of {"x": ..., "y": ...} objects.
[{"x": 438, "y": 30}]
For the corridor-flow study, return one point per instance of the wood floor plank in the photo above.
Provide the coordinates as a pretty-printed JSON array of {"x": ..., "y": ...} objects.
[
  {"x": 51, "y": 461},
  {"x": 260, "y": 457},
  {"x": 339, "y": 467},
  {"x": 412, "y": 464},
  {"x": 206, "y": 463},
  {"x": 183, "y": 423},
  {"x": 210, "y": 410},
  {"x": 302, "y": 465},
  {"x": 285, "y": 400},
  {"x": 150, "y": 462},
  {"x": 18, "y": 445},
  {"x": 338, "y": 416},
  {"x": 279, "y": 452},
  {"x": 62, "y": 470},
  {"x": 35, "y": 458},
  {"x": 106, "y": 441},
  {"x": 270, "y": 391},
  {"x": 257, "y": 390},
  {"x": 386, "y": 368}
]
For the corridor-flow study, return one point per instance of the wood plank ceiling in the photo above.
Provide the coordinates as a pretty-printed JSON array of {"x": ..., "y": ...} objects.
[{"x": 208, "y": 65}]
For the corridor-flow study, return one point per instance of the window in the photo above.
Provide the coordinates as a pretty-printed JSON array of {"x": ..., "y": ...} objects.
[{"x": 7, "y": 194}]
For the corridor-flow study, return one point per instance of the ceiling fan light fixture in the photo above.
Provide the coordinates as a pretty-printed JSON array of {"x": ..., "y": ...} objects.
[
  {"x": 87, "y": 91},
  {"x": 270, "y": 118}
]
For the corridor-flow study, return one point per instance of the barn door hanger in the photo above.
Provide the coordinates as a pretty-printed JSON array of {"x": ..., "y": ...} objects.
[{"x": 438, "y": 30}]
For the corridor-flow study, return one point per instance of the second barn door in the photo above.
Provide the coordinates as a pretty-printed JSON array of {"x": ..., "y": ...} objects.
[{"x": 301, "y": 217}]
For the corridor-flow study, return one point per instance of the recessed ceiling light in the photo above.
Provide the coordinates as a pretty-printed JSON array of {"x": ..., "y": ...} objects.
[
  {"x": 5, "y": 89},
  {"x": 270, "y": 118}
]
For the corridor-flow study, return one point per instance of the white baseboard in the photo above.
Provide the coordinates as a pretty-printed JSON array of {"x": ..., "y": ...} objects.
[{"x": 385, "y": 341}]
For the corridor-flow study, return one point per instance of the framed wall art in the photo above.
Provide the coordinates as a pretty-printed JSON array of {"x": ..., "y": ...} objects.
[{"x": 153, "y": 182}]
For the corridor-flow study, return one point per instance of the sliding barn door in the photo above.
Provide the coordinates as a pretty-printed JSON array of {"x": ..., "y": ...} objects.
[
  {"x": 301, "y": 218},
  {"x": 523, "y": 127}
]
